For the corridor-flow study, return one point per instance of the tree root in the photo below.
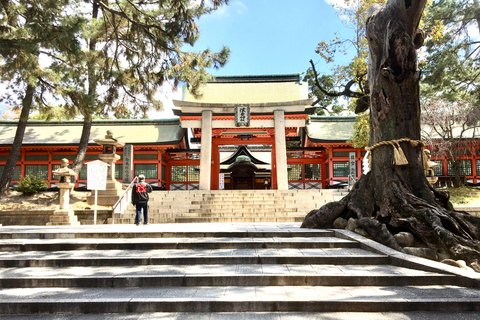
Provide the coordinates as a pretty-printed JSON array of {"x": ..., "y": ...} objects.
[
  {"x": 451, "y": 234},
  {"x": 379, "y": 232}
]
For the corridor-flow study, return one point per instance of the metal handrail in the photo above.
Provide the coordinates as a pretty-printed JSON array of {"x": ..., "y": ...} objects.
[{"x": 123, "y": 195}]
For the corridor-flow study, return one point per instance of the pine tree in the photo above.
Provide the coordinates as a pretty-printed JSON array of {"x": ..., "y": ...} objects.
[
  {"x": 29, "y": 30},
  {"x": 451, "y": 70},
  {"x": 133, "y": 48},
  {"x": 106, "y": 58}
]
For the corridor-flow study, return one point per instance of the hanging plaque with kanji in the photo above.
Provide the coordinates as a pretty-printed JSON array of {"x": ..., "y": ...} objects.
[{"x": 242, "y": 115}]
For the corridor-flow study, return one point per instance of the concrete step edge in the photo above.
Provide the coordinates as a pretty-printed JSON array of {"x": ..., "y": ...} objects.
[
  {"x": 200, "y": 260},
  {"x": 164, "y": 304},
  {"x": 143, "y": 233},
  {"x": 225, "y": 280},
  {"x": 175, "y": 245}
]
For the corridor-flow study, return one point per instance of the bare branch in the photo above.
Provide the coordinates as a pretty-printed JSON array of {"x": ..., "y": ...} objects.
[{"x": 347, "y": 92}]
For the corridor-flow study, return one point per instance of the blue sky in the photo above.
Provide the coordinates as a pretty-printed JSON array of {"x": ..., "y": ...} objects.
[
  {"x": 270, "y": 36},
  {"x": 266, "y": 37}
]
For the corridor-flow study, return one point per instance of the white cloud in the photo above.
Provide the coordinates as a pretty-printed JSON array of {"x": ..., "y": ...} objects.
[
  {"x": 166, "y": 94},
  {"x": 339, "y": 4},
  {"x": 239, "y": 7},
  {"x": 234, "y": 8}
]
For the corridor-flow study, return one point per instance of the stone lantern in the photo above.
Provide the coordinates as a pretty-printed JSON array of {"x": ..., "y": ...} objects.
[
  {"x": 113, "y": 190},
  {"x": 64, "y": 216},
  {"x": 430, "y": 166}
]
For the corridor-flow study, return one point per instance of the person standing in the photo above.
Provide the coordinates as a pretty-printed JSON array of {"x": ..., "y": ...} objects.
[{"x": 140, "y": 191}]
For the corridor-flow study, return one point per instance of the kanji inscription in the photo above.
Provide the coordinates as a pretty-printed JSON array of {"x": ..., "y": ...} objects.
[{"x": 242, "y": 115}]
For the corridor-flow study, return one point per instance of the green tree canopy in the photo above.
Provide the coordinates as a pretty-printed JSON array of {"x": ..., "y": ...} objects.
[
  {"x": 131, "y": 49},
  {"x": 29, "y": 31},
  {"x": 347, "y": 80},
  {"x": 451, "y": 69},
  {"x": 104, "y": 58}
]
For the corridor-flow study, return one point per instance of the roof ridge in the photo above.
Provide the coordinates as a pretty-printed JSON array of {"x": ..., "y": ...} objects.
[{"x": 94, "y": 122}]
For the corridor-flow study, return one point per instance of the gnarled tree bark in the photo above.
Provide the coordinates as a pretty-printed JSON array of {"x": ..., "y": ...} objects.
[{"x": 394, "y": 198}]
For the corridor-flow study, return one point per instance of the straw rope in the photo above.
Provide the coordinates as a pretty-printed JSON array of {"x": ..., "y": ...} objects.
[{"x": 399, "y": 158}]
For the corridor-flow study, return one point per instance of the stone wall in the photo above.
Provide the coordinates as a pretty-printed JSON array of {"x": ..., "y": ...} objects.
[
  {"x": 41, "y": 217},
  {"x": 86, "y": 216},
  {"x": 25, "y": 217}
]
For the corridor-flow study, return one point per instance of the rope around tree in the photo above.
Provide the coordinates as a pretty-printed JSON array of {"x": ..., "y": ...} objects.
[{"x": 399, "y": 158}]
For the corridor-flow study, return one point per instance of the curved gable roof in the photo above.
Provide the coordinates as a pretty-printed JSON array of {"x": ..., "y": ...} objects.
[{"x": 242, "y": 151}]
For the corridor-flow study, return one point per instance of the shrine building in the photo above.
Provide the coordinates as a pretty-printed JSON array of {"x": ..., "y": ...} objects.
[{"x": 242, "y": 132}]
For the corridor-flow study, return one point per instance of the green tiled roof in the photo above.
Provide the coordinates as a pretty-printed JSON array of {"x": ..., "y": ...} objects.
[
  {"x": 296, "y": 77},
  {"x": 340, "y": 129},
  {"x": 330, "y": 129},
  {"x": 159, "y": 132}
]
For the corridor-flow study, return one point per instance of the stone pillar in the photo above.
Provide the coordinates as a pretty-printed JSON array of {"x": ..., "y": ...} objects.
[
  {"x": 215, "y": 167},
  {"x": 127, "y": 163},
  {"x": 64, "y": 216},
  {"x": 206, "y": 150},
  {"x": 280, "y": 150},
  {"x": 65, "y": 194},
  {"x": 114, "y": 190},
  {"x": 110, "y": 159}
]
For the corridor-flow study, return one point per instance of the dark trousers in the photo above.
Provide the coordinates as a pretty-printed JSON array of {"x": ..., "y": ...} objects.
[{"x": 138, "y": 216}]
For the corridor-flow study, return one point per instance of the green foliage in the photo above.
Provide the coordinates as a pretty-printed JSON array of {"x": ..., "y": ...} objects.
[
  {"x": 451, "y": 68},
  {"x": 353, "y": 14},
  {"x": 349, "y": 80},
  {"x": 52, "y": 113},
  {"x": 133, "y": 49},
  {"x": 31, "y": 33},
  {"x": 323, "y": 102},
  {"x": 361, "y": 135},
  {"x": 30, "y": 185},
  {"x": 103, "y": 57}
]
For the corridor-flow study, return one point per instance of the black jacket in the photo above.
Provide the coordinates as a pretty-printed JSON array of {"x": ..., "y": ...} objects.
[{"x": 140, "y": 192}]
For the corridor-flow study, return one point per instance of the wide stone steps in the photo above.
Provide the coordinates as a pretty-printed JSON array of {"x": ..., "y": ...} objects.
[
  {"x": 224, "y": 206},
  {"x": 172, "y": 243},
  {"x": 243, "y": 275},
  {"x": 268, "y": 219},
  {"x": 233, "y": 299},
  {"x": 188, "y": 260},
  {"x": 213, "y": 268}
]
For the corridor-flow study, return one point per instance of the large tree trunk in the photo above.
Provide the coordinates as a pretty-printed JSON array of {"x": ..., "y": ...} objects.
[
  {"x": 9, "y": 168},
  {"x": 87, "y": 108},
  {"x": 83, "y": 145},
  {"x": 392, "y": 198}
]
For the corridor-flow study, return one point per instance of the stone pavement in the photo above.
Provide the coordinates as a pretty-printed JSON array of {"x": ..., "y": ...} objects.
[{"x": 221, "y": 271}]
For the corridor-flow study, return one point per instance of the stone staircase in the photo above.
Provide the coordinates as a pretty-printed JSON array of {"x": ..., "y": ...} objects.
[
  {"x": 232, "y": 206},
  {"x": 213, "y": 269}
]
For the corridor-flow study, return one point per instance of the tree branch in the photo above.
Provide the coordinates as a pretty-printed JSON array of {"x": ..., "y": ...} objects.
[
  {"x": 124, "y": 15},
  {"x": 347, "y": 92}
]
